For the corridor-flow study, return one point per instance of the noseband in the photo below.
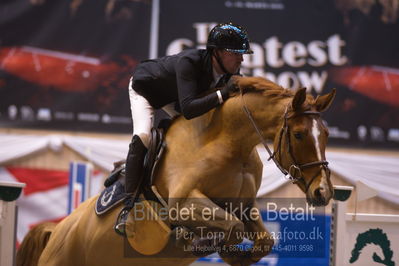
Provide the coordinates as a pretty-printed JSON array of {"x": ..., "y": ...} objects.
[{"x": 294, "y": 172}]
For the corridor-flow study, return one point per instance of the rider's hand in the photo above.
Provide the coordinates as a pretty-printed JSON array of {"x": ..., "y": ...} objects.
[{"x": 228, "y": 89}]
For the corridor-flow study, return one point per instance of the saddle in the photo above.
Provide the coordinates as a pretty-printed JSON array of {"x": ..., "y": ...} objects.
[{"x": 114, "y": 191}]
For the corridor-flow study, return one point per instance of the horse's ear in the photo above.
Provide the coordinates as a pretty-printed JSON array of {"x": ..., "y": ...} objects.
[
  {"x": 299, "y": 99},
  {"x": 323, "y": 102}
]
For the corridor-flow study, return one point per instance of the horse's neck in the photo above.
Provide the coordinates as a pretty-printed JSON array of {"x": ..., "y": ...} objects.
[
  {"x": 267, "y": 114},
  {"x": 229, "y": 127}
]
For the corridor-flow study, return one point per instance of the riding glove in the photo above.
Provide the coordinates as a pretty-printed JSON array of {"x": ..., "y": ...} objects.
[{"x": 228, "y": 89}]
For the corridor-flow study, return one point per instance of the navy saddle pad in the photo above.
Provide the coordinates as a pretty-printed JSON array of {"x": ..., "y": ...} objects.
[{"x": 110, "y": 197}]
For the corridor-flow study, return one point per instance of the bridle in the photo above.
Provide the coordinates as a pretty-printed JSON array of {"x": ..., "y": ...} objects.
[{"x": 295, "y": 168}]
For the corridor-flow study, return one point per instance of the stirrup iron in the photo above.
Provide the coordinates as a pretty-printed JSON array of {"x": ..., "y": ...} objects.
[{"x": 120, "y": 224}]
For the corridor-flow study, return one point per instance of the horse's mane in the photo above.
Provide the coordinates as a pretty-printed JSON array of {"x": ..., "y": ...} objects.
[
  {"x": 261, "y": 85},
  {"x": 264, "y": 86},
  {"x": 270, "y": 90}
]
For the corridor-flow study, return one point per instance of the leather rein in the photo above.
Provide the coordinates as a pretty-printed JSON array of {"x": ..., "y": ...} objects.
[{"x": 295, "y": 167}]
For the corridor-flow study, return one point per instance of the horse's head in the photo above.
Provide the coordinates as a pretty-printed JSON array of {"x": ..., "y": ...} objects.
[
  {"x": 294, "y": 121},
  {"x": 300, "y": 144}
]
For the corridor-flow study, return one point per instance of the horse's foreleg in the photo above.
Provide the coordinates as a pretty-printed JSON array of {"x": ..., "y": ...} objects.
[
  {"x": 205, "y": 219},
  {"x": 262, "y": 243},
  {"x": 263, "y": 240}
]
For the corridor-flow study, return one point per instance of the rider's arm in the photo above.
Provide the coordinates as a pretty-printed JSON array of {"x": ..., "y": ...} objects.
[{"x": 187, "y": 83}]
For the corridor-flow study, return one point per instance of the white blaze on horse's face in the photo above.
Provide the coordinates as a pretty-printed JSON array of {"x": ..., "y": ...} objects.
[{"x": 316, "y": 134}]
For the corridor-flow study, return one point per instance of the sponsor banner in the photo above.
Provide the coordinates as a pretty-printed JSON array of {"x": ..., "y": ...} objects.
[
  {"x": 320, "y": 46},
  {"x": 70, "y": 68}
]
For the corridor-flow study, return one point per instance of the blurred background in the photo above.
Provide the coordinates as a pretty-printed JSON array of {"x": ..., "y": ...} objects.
[{"x": 65, "y": 67}]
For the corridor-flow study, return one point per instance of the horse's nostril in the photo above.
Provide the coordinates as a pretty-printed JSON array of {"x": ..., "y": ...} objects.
[{"x": 319, "y": 193}]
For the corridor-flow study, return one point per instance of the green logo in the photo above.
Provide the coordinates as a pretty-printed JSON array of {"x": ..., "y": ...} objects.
[{"x": 377, "y": 237}]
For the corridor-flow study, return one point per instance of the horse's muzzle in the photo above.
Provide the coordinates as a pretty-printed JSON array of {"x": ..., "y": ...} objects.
[{"x": 319, "y": 196}]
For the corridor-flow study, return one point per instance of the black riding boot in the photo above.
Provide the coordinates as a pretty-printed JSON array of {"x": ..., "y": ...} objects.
[
  {"x": 134, "y": 176},
  {"x": 134, "y": 165}
]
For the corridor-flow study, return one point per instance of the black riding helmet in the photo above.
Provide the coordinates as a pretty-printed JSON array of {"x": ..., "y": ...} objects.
[{"x": 230, "y": 37}]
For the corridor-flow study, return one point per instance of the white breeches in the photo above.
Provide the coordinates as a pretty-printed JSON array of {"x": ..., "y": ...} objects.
[{"x": 143, "y": 114}]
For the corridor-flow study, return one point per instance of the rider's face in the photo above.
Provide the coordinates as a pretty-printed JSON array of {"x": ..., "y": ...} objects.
[{"x": 231, "y": 61}]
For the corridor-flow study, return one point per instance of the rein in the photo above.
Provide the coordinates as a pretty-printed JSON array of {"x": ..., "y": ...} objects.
[{"x": 294, "y": 166}]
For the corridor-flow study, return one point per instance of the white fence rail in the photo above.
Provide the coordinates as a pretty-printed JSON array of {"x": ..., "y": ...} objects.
[{"x": 9, "y": 192}]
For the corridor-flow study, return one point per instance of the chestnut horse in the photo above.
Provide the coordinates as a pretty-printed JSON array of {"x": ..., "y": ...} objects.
[{"x": 210, "y": 161}]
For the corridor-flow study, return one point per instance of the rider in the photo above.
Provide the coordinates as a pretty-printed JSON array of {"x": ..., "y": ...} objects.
[{"x": 175, "y": 83}]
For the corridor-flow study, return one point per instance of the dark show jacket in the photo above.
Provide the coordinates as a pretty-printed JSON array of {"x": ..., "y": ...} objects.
[{"x": 179, "y": 78}]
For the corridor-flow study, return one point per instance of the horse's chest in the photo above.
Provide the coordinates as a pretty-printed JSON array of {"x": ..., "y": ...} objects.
[{"x": 230, "y": 184}]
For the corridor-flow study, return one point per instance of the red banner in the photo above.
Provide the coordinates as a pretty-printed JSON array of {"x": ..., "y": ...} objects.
[{"x": 70, "y": 68}]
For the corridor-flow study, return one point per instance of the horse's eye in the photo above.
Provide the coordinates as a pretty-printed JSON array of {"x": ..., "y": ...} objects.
[{"x": 298, "y": 135}]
